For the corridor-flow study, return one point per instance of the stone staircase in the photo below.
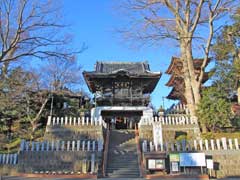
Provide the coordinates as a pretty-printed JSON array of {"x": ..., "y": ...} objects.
[{"x": 122, "y": 155}]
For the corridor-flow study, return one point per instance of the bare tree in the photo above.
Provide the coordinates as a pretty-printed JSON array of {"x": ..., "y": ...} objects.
[
  {"x": 57, "y": 74},
  {"x": 184, "y": 21},
  {"x": 31, "y": 29}
]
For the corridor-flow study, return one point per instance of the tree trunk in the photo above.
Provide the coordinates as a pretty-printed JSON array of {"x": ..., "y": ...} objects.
[
  {"x": 4, "y": 70},
  {"x": 192, "y": 86},
  {"x": 203, "y": 127},
  {"x": 195, "y": 85},
  {"x": 238, "y": 94},
  {"x": 187, "y": 80},
  {"x": 37, "y": 117}
]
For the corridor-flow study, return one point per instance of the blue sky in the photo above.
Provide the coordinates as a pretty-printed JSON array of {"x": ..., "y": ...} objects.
[{"x": 93, "y": 23}]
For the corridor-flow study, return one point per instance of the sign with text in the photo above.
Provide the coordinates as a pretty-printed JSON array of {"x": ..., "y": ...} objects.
[
  {"x": 174, "y": 157},
  {"x": 209, "y": 163},
  {"x": 192, "y": 159},
  {"x": 151, "y": 164},
  {"x": 159, "y": 164},
  {"x": 157, "y": 135},
  {"x": 174, "y": 167},
  {"x": 156, "y": 164}
]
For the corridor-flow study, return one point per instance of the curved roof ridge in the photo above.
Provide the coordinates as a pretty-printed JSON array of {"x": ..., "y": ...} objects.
[{"x": 122, "y": 62}]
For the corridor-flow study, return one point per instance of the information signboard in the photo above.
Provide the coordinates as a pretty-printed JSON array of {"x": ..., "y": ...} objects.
[
  {"x": 174, "y": 157},
  {"x": 157, "y": 135},
  {"x": 156, "y": 164},
  {"x": 151, "y": 164},
  {"x": 174, "y": 167},
  {"x": 160, "y": 164},
  {"x": 192, "y": 159},
  {"x": 209, "y": 163}
]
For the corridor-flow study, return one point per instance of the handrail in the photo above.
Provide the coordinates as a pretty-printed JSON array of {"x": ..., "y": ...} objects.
[
  {"x": 140, "y": 157},
  {"x": 105, "y": 153}
]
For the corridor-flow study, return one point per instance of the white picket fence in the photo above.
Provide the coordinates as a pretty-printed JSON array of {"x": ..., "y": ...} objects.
[
  {"x": 178, "y": 108},
  {"x": 75, "y": 121},
  {"x": 84, "y": 145},
  {"x": 195, "y": 145},
  {"x": 169, "y": 120},
  {"x": 10, "y": 159}
]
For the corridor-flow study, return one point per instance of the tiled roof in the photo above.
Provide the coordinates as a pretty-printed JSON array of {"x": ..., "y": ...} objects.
[{"x": 133, "y": 67}]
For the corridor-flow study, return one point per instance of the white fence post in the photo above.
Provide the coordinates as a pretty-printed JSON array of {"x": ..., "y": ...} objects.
[
  {"x": 236, "y": 143},
  {"x": 54, "y": 121},
  {"x": 57, "y": 120},
  {"x": 212, "y": 144},
  {"x": 92, "y": 163},
  {"x": 49, "y": 120},
  {"x": 100, "y": 145},
  {"x": 66, "y": 120},
  {"x": 63, "y": 145},
  {"x": 73, "y": 145}
]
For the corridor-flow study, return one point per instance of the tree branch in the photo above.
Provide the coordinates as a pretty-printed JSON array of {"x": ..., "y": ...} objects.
[{"x": 210, "y": 37}]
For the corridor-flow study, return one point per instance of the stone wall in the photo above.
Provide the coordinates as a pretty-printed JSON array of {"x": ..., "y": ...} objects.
[
  {"x": 74, "y": 128},
  {"x": 6, "y": 170},
  {"x": 59, "y": 162},
  {"x": 71, "y": 145},
  {"x": 146, "y": 132},
  {"x": 224, "y": 152},
  {"x": 69, "y": 132},
  {"x": 60, "y": 156},
  {"x": 226, "y": 162},
  {"x": 170, "y": 132}
]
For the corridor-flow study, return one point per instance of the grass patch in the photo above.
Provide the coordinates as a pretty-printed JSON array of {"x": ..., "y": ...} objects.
[{"x": 219, "y": 135}]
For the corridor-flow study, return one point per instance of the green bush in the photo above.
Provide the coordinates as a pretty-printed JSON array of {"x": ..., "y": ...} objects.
[{"x": 214, "y": 110}]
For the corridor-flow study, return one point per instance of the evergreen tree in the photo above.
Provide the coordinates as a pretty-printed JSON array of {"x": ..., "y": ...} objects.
[{"x": 214, "y": 109}]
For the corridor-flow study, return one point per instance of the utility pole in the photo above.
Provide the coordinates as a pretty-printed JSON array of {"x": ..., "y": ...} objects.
[
  {"x": 163, "y": 102},
  {"x": 51, "y": 110}
]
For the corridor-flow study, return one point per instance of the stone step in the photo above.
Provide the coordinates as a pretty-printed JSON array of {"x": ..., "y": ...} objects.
[
  {"x": 123, "y": 175},
  {"x": 134, "y": 156},
  {"x": 123, "y": 152},
  {"x": 131, "y": 148},
  {"x": 123, "y": 147},
  {"x": 120, "y": 171},
  {"x": 133, "y": 169},
  {"x": 124, "y": 172},
  {"x": 129, "y": 158},
  {"x": 122, "y": 155},
  {"x": 123, "y": 159},
  {"x": 128, "y": 149},
  {"x": 122, "y": 165},
  {"x": 130, "y": 167}
]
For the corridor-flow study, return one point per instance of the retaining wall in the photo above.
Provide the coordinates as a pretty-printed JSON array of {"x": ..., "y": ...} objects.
[
  {"x": 74, "y": 128},
  {"x": 224, "y": 152},
  {"x": 170, "y": 132}
]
